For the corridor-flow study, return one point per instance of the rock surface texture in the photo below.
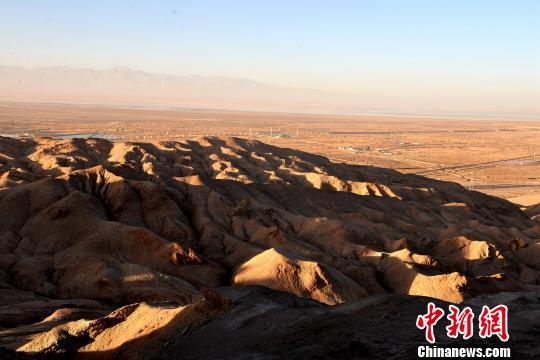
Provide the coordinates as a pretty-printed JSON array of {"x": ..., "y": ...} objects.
[{"x": 117, "y": 249}]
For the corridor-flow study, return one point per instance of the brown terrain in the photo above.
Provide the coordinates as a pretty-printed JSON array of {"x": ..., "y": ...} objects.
[
  {"x": 224, "y": 247},
  {"x": 497, "y": 157}
]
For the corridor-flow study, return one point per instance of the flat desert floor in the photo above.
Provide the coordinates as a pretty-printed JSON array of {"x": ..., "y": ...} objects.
[{"x": 498, "y": 157}]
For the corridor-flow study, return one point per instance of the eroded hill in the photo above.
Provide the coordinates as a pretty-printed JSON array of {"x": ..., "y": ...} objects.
[{"x": 92, "y": 225}]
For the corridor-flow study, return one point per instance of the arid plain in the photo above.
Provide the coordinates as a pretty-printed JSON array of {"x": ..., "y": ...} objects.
[{"x": 497, "y": 157}]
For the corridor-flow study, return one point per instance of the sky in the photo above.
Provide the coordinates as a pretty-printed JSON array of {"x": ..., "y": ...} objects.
[{"x": 473, "y": 55}]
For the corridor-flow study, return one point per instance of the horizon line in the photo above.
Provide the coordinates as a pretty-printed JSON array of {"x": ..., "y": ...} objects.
[{"x": 366, "y": 113}]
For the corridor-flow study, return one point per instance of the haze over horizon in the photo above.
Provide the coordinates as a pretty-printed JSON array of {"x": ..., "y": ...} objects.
[{"x": 455, "y": 58}]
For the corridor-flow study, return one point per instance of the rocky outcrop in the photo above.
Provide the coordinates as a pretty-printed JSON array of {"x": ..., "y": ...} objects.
[{"x": 304, "y": 278}]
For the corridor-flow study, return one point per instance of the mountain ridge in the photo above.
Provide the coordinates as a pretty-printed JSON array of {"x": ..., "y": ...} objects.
[{"x": 123, "y": 85}]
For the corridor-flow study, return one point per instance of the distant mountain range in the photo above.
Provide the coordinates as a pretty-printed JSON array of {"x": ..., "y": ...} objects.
[
  {"x": 121, "y": 85},
  {"x": 125, "y": 86}
]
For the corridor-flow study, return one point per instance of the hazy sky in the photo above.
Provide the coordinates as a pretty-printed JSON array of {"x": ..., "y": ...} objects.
[{"x": 473, "y": 53}]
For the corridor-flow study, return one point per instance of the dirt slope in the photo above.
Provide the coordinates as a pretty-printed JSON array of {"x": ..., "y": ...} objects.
[{"x": 258, "y": 323}]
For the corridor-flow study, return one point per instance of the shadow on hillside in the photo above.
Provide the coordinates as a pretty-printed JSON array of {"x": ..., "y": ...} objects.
[{"x": 266, "y": 324}]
